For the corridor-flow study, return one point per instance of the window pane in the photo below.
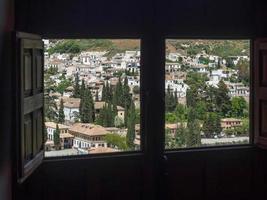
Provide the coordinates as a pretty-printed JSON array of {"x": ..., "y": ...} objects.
[
  {"x": 207, "y": 92},
  {"x": 92, "y": 99}
]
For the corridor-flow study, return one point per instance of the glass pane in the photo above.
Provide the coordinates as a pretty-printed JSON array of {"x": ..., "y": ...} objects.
[
  {"x": 92, "y": 99},
  {"x": 207, "y": 92}
]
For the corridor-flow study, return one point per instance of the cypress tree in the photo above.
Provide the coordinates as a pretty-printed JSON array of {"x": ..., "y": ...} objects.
[
  {"x": 96, "y": 96},
  {"x": 110, "y": 116},
  {"x": 82, "y": 89},
  {"x": 170, "y": 103},
  {"x": 131, "y": 127},
  {"x": 223, "y": 102},
  {"x": 175, "y": 98},
  {"x": 102, "y": 116},
  {"x": 193, "y": 138},
  {"x": 126, "y": 96},
  {"x": 118, "y": 94},
  {"x": 104, "y": 93},
  {"x": 61, "y": 115},
  {"x": 114, "y": 111},
  {"x": 76, "y": 92},
  {"x": 57, "y": 137},
  {"x": 126, "y": 111},
  {"x": 87, "y": 107},
  {"x": 81, "y": 107}
]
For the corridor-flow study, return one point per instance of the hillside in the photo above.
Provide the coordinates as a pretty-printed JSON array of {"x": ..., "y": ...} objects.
[
  {"x": 75, "y": 46},
  {"x": 223, "y": 48}
]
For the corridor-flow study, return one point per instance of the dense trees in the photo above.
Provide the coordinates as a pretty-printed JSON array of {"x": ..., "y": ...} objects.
[
  {"x": 87, "y": 111},
  {"x": 243, "y": 71},
  {"x": 116, "y": 141},
  {"x": 193, "y": 138},
  {"x": 205, "y": 107},
  {"x": 222, "y": 99},
  {"x": 212, "y": 125},
  {"x": 50, "y": 108},
  {"x": 239, "y": 107},
  {"x": 106, "y": 116}
]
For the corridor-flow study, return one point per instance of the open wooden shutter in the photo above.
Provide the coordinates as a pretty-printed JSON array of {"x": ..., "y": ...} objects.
[
  {"x": 260, "y": 92},
  {"x": 30, "y": 63}
]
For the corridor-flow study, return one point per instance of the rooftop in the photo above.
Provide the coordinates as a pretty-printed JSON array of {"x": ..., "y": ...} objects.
[
  {"x": 54, "y": 125},
  {"x": 88, "y": 129}
]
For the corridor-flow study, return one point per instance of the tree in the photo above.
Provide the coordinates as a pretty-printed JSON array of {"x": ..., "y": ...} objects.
[
  {"x": 76, "y": 91},
  {"x": 201, "y": 110},
  {"x": 170, "y": 102},
  {"x": 239, "y": 107},
  {"x": 243, "y": 71},
  {"x": 61, "y": 115},
  {"x": 193, "y": 138},
  {"x": 131, "y": 127},
  {"x": 50, "y": 108},
  {"x": 57, "y": 138},
  {"x": 126, "y": 96},
  {"x": 106, "y": 116},
  {"x": 104, "y": 93},
  {"x": 223, "y": 103},
  {"x": 87, "y": 113},
  {"x": 170, "y": 117},
  {"x": 212, "y": 125},
  {"x": 118, "y": 94},
  {"x": 63, "y": 85},
  {"x": 96, "y": 96},
  {"x": 181, "y": 112},
  {"x": 82, "y": 89},
  {"x": 229, "y": 62},
  {"x": 169, "y": 141},
  {"x": 180, "y": 135},
  {"x": 116, "y": 141}
]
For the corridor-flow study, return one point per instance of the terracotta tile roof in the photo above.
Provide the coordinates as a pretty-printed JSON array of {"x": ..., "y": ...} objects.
[
  {"x": 66, "y": 135},
  {"x": 100, "y": 104},
  {"x": 54, "y": 125},
  {"x": 101, "y": 150},
  {"x": 88, "y": 129},
  {"x": 72, "y": 104}
]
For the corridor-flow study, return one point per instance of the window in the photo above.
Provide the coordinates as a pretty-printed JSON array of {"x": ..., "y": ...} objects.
[
  {"x": 92, "y": 92},
  {"x": 207, "y": 93}
]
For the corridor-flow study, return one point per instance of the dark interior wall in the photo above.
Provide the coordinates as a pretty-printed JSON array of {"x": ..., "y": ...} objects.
[
  {"x": 191, "y": 18},
  {"x": 201, "y": 175},
  {"x": 117, "y": 178},
  {"x": 6, "y": 28}
]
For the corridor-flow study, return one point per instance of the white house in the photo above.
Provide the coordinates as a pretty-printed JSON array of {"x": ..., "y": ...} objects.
[
  {"x": 177, "y": 86},
  {"x": 172, "y": 67},
  {"x": 66, "y": 139},
  {"x": 88, "y": 136}
]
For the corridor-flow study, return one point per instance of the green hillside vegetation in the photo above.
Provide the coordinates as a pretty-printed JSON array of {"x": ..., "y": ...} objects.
[
  {"x": 222, "y": 48},
  {"x": 75, "y": 46}
]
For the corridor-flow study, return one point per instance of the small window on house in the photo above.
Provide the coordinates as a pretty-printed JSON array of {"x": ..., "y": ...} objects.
[
  {"x": 207, "y": 93},
  {"x": 88, "y": 94}
]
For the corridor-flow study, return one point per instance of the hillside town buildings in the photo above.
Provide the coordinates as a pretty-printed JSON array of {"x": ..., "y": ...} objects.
[{"x": 96, "y": 68}]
